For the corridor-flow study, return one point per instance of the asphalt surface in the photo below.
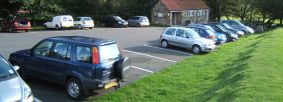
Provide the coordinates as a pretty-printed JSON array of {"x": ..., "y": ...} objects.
[{"x": 140, "y": 44}]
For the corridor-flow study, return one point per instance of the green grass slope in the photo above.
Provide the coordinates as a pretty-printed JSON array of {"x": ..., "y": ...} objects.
[{"x": 250, "y": 69}]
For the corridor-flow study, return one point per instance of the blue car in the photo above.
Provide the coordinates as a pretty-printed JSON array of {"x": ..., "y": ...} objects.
[
  {"x": 238, "y": 25},
  {"x": 231, "y": 36},
  {"x": 237, "y": 31},
  {"x": 209, "y": 33},
  {"x": 80, "y": 63}
]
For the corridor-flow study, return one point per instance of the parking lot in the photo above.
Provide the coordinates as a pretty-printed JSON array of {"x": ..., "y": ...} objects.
[{"x": 140, "y": 44}]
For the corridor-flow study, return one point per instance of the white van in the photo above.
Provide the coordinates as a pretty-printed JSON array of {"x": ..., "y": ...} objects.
[{"x": 59, "y": 22}]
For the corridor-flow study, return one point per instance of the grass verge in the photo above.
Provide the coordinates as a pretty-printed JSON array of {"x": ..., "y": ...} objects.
[{"x": 247, "y": 70}]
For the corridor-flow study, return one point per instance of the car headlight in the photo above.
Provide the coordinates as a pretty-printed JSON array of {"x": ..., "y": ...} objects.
[
  {"x": 28, "y": 97},
  {"x": 251, "y": 30},
  {"x": 233, "y": 35},
  {"x": 240, "y": 32},
  {"x": 206, "y": 45}
]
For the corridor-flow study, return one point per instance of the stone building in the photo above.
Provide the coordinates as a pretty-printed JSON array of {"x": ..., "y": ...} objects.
[{"x": 180, "y": 12}]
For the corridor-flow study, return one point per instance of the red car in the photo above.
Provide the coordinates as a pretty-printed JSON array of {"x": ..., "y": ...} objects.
[{"x": 17, "y": 24}]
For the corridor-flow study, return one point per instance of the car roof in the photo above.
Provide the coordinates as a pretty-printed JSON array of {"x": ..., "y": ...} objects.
[
  {"x": 199, "y": 27},
  {"x": 82, "y": 40},
  {"x": 138, "y": 16},
  {"x": 183, "y": 28},
  {"x": 83, "y": 17},
  {"x": 63, "y": 15}
]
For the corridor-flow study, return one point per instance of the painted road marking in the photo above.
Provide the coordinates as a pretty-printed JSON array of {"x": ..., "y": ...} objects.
[
  {"x": 142, "y": 69},
  {"x": 167, "y": 49},
  {"x": 33, "y": 32},
  {"x": 151, "y": 56}
]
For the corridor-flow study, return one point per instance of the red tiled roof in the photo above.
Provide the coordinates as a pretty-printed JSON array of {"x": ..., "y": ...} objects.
[{"x": 184, "y": 4}]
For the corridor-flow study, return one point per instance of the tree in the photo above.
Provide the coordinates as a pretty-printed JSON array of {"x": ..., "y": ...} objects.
[
  {"x": 43, "y": 9},
  {"x": 12, "y": 6}
]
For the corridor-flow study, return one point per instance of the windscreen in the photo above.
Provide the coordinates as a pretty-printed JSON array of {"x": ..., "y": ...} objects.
[
  {"x": 5, "y": 69},
  {"x": 193, "y": 34},
  {"x": 239, "y": 23},
  {"x": 77, "y": 19},
  {"x": 210, "y": 32},
  {"x": 145, "y": 19},
  {"x": 222, "y": 28},
  {"x": 109, "y": 53},
  {"x": 227, "y": 26}
]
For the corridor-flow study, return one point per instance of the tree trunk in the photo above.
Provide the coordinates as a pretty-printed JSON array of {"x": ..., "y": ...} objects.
[
  {"x": 219, "y": 10},
  {"x": 281, "y": 19},
  {"x": 227, "y": 17}
]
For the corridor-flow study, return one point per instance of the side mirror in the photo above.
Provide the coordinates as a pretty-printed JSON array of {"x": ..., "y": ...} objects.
[
  {"x": 16, "y": 67},
  {"x": 30, "y": 52}
]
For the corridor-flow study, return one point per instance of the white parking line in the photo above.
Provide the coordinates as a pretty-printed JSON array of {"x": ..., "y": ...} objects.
[
  {"x": 151, "y": 56},
  {"x": 167, "y": 49},
  {"x": 79, "y": 30},
  {"x": 33, "y": 32},
  {"x": 59, "y": 31},
  {"x": 142, "y": 69}
]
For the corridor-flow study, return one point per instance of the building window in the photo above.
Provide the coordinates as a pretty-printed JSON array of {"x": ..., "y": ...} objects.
[
  {"x": 199, "y": 13},
  {"x": 159, "y": 14}
]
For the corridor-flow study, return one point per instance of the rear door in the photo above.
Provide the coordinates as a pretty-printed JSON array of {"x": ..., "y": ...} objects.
[
  {"x": 169, "y": 35},
  {"x": 58, "y": 62}
]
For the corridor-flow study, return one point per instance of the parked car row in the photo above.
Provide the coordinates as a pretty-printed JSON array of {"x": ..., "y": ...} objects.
[
  {"x": 66, "y": 21},
  {"x": 204, "y": 37}
]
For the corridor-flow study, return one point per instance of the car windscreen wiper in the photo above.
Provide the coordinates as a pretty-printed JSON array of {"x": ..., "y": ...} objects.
[{"x": 4, "y": 76}]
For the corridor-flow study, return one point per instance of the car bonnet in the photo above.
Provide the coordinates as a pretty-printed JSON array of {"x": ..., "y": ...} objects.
[
  {"x": 11, "y": 90},
  {"x": 204, "y": 41}
]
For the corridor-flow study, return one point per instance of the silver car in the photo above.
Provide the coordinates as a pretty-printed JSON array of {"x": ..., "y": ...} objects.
[
  {"x": 138, "y": 21},
  {"x": 186, "y": 38},
  {"x": 84, "y": 22},
  {"x": 12, "y": 86}
]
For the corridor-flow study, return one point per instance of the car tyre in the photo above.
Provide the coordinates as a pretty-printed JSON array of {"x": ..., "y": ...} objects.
[
  {"x": 12, "y": 30},
  {"x": 196, "y": 49},
  {"x": 164, "y": 43},
  {"x": 116, "y": 26},
  {"x": 234, "y": 39},
  {"x": 74, "y": 89},
  {"x": 122, "y": 65},
  {"x": 80, "y": 26},
  {"x": 45, "y": 27},
  {"x": 56, "y": 27}
]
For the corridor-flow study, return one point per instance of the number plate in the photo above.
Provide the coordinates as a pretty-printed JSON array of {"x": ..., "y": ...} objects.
[{"x": 111, "y": 84}]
